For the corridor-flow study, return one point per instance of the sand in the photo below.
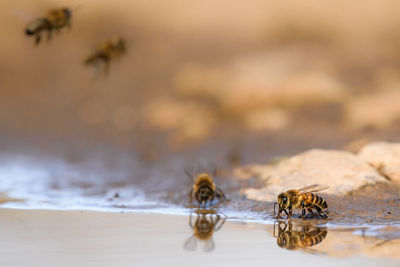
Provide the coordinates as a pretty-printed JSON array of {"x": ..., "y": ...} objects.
[{"x": 82, "y": 238}]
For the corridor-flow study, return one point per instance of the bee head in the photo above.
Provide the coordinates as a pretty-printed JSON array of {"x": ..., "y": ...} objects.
[
  {"x": 204, "y": 228},
  {"x": 283, "y": 201},
  {"x": 205, "y": 193},
  {"x": 118, "y": 43},
  {"x": 67, "y": 12}
]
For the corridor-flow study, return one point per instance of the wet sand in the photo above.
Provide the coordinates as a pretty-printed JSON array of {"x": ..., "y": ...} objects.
[{"x": 77, "y": 238}]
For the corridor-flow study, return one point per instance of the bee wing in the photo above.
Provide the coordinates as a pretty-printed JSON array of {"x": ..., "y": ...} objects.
[
  {"x": 313, "y": 188},
  {"x": 190, "y": 243},
  {"x": 209, "y": 245},
  {"x": 190, "y": 172}
]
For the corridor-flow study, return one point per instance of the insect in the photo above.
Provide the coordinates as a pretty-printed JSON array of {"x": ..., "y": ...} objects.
[
  {"x": 54, "y": 20},
  {"x": 303, "y": 198},
  {"x": 106, "y": 52},
  {"x": 293, "y": 239},
  {"x": 206, "y": 224},
  {"x": 205, "y": 190}
]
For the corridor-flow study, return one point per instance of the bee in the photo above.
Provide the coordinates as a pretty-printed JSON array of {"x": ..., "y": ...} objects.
[
  {"x": 205, "y": 190},
  {"x": 206, "y": 224},
  {"x": 302, "y": 198},
  {"x": 109, "y": 50},
  {"x": 304, "y": 239},
  {"x": 54, "y": 20}
]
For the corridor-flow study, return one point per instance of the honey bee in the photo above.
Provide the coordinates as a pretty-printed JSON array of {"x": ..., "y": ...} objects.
[
  {"x": 54, "y": 20},
  {"x": 206, "y": 224},
  {"x": 302, "y": 198},
  {"x": 304, "y": 239},
  {"x": 205, "y": 190},
  {"x": 109, "y": 50}
]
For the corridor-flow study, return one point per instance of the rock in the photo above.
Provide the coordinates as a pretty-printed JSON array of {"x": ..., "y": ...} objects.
[
  {"x": 342, "y": 171},
  {"x": 385, "y": 157}
]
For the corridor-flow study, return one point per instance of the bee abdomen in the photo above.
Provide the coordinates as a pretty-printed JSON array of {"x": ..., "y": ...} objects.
[
  {"x": 315, "y": 237},
  {"x": 36, "y": 26},
  {"x": 319, "y": 201}
]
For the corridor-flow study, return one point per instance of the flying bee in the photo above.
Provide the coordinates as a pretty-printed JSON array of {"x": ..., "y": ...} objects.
[
  {"x": 106, "y": 52},
  {"x": 304, "y": 239},
  {"x": 54, "y": 20},
  {"x": 206, "y": 224},
  {"x": 302, "y": 198},
  {"x": 205, "y": 190}
]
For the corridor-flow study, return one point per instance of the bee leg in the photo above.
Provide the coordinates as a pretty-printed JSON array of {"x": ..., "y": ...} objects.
[
  {"x": 97, "y": 67},
  {"x": 320, "y": 212},
  {"x": 303, "y": 210},
  {"x": 311, "y": 211},
  {"x": 220, "y": 194},
  {"x": 106, "y": 68},
  {"x": 290, "y": 211},
  {"x": 49, "y": 35},
  {"x": 191, "y": 220},
  {"x": 37, "y": 40},
  {"x": 279, "y": 214},
  {"x": 191, "y": 196}
]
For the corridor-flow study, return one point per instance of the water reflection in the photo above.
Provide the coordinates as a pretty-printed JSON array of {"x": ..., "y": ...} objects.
[
  {"x": 299, "y": 236},
  {"x": 203, "y": 223}
]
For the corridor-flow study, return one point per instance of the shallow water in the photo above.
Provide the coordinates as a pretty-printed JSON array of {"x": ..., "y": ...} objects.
[
  {"x": 66, "y": 238},
  {"x": 126, "y": 185}
]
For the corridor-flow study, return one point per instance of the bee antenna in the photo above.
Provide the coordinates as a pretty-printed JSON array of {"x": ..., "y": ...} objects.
[{"x": 189, "y": 174}]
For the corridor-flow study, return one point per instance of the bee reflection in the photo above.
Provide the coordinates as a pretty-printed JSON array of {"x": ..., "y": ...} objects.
[
  {"x": 303, "y": 239},
  {"x": 203, "y": 224}
]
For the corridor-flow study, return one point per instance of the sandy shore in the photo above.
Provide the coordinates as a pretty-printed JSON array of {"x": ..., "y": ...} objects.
[{"x": 81, "y": 238}]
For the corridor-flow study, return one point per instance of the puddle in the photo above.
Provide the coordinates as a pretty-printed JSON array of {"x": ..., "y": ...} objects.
[{"x": 66, "y": 238}]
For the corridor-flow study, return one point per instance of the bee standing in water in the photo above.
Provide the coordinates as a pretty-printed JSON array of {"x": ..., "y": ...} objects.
[
  {"x": 206, "y": 224},
  {"x": 205, "y": 190},
  {"x": 54, "y": 20},
  {"x": 302, "y": 198},
  {"x": 304, "y": 239},
  {"x": 104, "y": 53}
]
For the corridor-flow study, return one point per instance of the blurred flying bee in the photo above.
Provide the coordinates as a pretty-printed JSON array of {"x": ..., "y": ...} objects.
[
  {"x": 106, "y": 52},
  {"x": 302, "y": 198},
  {"x": 304, "y": 239},
  {"x": 207, "y": 222},
  {"x": 205, "y": 190},
  {"x": 54, "y": 20}
]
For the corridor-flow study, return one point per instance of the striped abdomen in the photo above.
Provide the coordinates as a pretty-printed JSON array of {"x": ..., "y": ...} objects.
[
  {"x": 314, "y": 237},
  {"x": 36, "y": 26},
  {"x": 316, "y": 200}
]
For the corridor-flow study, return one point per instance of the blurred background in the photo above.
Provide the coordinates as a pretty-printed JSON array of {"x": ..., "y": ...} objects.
[{"x": 217, "y": 82}]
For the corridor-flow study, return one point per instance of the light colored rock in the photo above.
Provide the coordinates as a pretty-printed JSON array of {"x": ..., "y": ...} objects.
[
  {"x": 342, "y": 171},
  {"x": 383, "y": 156}
]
